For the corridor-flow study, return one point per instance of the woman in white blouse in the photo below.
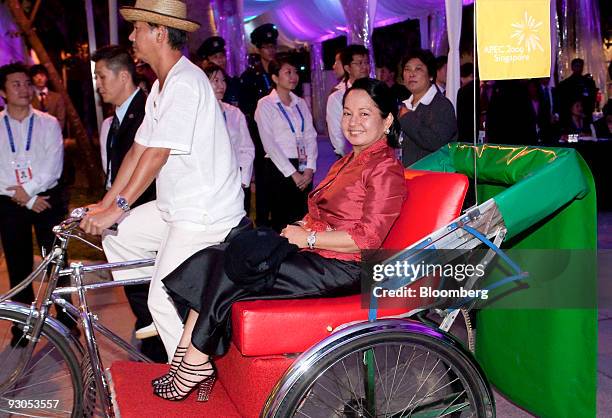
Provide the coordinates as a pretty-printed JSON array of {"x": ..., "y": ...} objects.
[
  {"x": 290, "y": 142},
  {"x": 235, "y": 122}
]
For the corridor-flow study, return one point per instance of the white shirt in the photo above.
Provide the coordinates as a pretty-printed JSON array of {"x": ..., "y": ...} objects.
[
  {"x": 105, "y": 127},
  {"x": 279, "y": 142},
  {"x": 333, "y": 117},
  {"x": 426, "y": 99},
  {"x": 199, "y": 186},
  {"x": 44, "y": 90},
  {"x": 241, "y": 140},
  {"x": 46, "y": 154}
]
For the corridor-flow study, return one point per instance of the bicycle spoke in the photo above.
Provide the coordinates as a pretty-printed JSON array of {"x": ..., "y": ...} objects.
[
  {"x": 399, "y": 354},
  {"x": 414, "y": 376},
  {"x": 47, "y": 372},
  {"x": 338, "y": 398}
]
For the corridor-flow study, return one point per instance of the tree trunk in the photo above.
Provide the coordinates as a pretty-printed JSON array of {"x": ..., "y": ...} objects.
[{"x": 90, "y": 157}]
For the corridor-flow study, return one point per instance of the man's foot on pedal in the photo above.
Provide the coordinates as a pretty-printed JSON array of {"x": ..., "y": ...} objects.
[{"x": 146, "y": 332}]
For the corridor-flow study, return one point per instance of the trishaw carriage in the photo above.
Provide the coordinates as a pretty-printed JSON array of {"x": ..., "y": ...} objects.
[{"x": 388, "y": 362}]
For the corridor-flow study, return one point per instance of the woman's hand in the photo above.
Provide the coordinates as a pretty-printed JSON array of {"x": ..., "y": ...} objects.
[
  {"x": 302, "y": 180},
  {"x": 308, "y": 175},
  {"x": 296, "y": 235}
]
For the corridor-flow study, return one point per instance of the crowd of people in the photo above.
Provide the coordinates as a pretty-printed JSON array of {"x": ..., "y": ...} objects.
[
  {"x": 533, "y": 112},
  {"x": 180, "y": 155}
]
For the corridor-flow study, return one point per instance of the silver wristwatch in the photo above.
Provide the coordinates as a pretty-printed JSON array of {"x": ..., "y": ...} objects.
[
  {"x": 311, "y": 240},
  {"x": 122, "y": 203}
]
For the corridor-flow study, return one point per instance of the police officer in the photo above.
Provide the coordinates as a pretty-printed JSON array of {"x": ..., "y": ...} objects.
[
  {"x": 213, "y": 51},
  {"x": 256, "y": 83}
]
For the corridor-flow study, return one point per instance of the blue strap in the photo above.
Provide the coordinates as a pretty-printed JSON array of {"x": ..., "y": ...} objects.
[
  {"x": 520, "y": 274},
  {"x": 492, "y": 246},
  {"x": 284, "y": 112},
  {"x": 11, "y": 139},
  {"x": 267, "y": 81}
]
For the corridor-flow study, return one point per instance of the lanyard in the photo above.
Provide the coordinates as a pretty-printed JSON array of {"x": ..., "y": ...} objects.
[
  {"x": 9, "y": 131},
  {"x": 284, "y": 112},
  {"x": 266, "y": 81}
]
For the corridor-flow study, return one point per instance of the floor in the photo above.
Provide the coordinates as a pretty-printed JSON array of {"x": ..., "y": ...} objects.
[{"x": 113, "y": 311}]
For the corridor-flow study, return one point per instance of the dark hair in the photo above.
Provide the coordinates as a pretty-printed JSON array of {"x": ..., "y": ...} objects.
[
  {"x": 211, "y": 68},
  {"x": 381, "y": 94},
  {"x": 578, "y": 61},
  {"x": 389, "y": 64},
  {"x": 467, "y": 70},
  {"x": 176, "y": 38},
  {"x": 346, "y": 56},
  {"x": 38, "y": 69},
  {"x": 426, "y": 57},
  {"x": 275, "y": 65},
  {"x": 116, "y": 58},
  {"x": 441, "y": 61},
  {"x": 6, "y": 70}
]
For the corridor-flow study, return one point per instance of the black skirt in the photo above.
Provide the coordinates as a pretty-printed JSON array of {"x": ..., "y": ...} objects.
[{"x": 201, "y": 284}]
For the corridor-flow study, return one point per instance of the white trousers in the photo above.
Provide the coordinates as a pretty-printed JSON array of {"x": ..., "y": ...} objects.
[{"x": 143, "y": 234}]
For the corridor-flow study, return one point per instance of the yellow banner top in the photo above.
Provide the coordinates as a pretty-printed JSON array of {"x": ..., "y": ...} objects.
[{"x": 513, "y": 39}]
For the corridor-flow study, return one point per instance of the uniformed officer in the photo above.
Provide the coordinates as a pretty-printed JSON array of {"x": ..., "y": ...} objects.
[
  {"x": 213, "y": 51},
  {"x": 256, "y": 83}
]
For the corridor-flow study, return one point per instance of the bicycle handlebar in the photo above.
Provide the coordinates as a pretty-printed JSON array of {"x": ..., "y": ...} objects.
[{"x": 73, "y": 220}]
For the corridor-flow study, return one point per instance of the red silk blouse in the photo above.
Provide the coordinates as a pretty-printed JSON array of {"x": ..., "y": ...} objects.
[{"x": 361, "y": 195}]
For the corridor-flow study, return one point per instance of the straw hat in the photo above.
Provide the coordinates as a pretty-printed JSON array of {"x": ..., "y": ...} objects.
[{"x": 171, "y": 13}]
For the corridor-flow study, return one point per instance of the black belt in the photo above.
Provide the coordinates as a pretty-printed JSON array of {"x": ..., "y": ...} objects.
[{"x": 245, "y": 224}]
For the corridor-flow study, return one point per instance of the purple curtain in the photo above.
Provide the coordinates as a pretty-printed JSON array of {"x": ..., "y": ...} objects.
[
  {"x": 438, "y": 37},
  {"x": 318, "y": 91},
  {"x": 360, "y": 16},
  {"x": 12, "y": 47},
  {"x": 228, "y": 16},
  {"x": 579, "y": 36}
]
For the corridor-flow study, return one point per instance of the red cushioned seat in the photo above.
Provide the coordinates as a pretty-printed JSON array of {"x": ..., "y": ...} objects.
[{"x": 271, "y": 327}]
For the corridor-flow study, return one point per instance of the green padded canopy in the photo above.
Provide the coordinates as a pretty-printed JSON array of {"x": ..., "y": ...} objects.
[{"x": 545, "y": 360}]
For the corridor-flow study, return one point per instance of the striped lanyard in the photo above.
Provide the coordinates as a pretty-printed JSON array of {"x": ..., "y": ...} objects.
[
  {"x": 11, "y": 139},
  {"x": 284, "y": 112}
]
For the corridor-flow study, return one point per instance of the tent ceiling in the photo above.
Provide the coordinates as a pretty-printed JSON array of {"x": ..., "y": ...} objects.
[{"x": 316, "y": 20}]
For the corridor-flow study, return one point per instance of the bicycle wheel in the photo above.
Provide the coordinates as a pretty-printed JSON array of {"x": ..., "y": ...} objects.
[
  {"x": 392, "y": 373},
  {"x": 50, "y": 385}
]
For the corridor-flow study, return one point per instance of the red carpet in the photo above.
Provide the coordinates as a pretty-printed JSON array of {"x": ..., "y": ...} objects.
[
  {"x": 135, "y": 399},
  {"x": 249, "y": 380}
]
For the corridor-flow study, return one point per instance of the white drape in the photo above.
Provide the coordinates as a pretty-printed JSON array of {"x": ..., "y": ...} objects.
[{"x": 453, "y": 24}]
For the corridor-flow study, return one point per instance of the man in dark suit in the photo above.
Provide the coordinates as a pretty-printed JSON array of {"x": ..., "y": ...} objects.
[
  {"x": 44, "y": 99},
  {"x": 577, "y": 85},
  {"x": 116, "y": 83}
]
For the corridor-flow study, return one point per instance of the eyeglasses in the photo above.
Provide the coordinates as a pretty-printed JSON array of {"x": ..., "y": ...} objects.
[{"x": 360, "y": 63}]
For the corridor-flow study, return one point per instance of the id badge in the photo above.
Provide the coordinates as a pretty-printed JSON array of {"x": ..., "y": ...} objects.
[
  {"x": 301, "y": 151},
  {"x": 23, "y": 172}
]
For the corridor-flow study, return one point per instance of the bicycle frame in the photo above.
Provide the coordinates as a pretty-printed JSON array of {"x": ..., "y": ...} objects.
[{"x": 38, "y": 315}]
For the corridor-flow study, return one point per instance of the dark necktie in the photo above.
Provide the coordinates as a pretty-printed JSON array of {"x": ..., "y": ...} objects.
[
  {"x": 43, "y": 101},
  {"x": 110, "y": 142}
]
